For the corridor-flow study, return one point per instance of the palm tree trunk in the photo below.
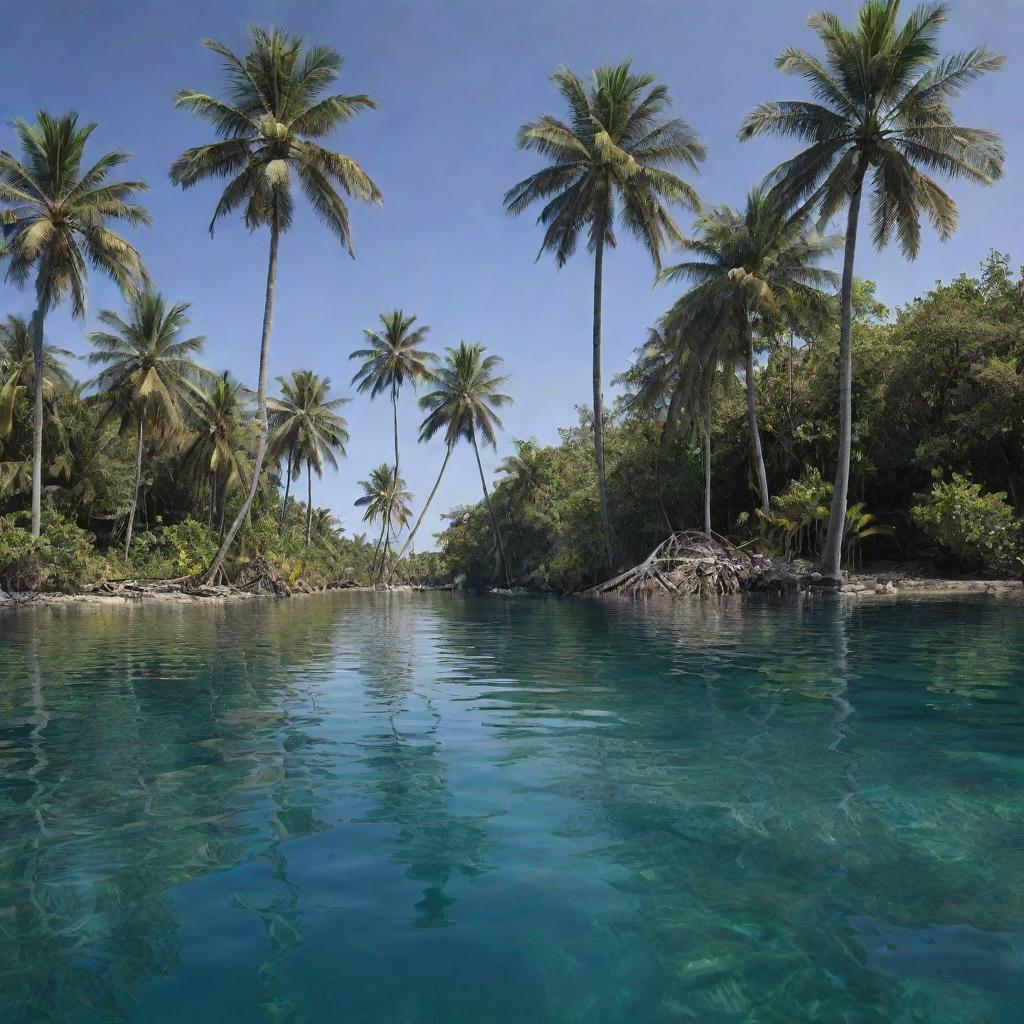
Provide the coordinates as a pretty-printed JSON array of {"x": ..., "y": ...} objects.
[
  {"x": 602, "y": 489},
  {"x": 387, "y": 519},
  {"x": 830, "y": 559},
  {"x": 287, "y": 487},
  {"x": 309, "y": 501},
  {"x": 37, "y": 421},
  {"x": 430, "y": 498},
  {"x": 135, "y": 489},
  {"x": 394, "y": 414},
  {"x": 707, "y": 455},
  {"x": 261, "y": 403},
  {"x": 213, "y": 500},
  {"x": 755, "y": 434},
  {"x": 500, "y": 544},
  {"x": 376, "y": 551},
  {"x": 675, "y": 404}
]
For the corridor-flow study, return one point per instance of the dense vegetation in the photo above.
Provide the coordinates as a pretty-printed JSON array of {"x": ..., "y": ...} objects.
[{"x": 776, "y": 401}]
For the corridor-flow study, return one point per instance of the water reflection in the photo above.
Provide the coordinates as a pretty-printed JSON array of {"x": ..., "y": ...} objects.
[{"x": 411, "y": 808}]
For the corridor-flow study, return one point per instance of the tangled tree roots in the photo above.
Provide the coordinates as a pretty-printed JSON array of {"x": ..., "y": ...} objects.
[
  {"x": 260, "y": 577},
  {"x": 690, "y": 563}
]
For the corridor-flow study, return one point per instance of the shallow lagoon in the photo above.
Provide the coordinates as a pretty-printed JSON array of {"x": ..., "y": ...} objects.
[{"x": 413, "y": 808}]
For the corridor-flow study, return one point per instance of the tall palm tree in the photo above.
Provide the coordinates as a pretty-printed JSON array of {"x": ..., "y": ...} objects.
[
  {"x": 467, "y": 391},
  {"x": 608, "y": 163},
  {"x": 760, "y": 262},
  {"x": 384, "y": 497},
  {"x": 56, "y": 219},
  {"x": 392, "y": 359},
  {"x": 880, "y": 105},
  {"x": 18, "y": 370},
  {"x": 268, "y": 132},
  {"x": 316, "y": 431},
  {"x": 148, "y": 376},
  {"x": 220, "y": 450}
]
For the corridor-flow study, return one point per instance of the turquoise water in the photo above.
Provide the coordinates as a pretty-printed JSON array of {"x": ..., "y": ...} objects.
[{"x": 420, "y": 808}]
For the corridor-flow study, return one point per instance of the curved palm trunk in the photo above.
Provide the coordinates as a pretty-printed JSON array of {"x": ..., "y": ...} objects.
[
  {"x": 832, "y": 556},
  {"x": 499, "y": 542},
  {"x": 261, "y": 407},
  {"x": 135, "y": 490},
  {"x": 213, "y": 501},
  {"x": 602, "y": 490},
  {"x": 387, "y": 517},
  {"x": 377, "y": 551},
  {"x": 675, "y": 404},
  {"x": 309, "y": 502},
  {"x": 423, "y": 512},
  {"x": 707, "y": 456},
  {"x": 37, "y": 422},
  {"x": 287, "y": 487},
  {"x": 755, "y": 433}
]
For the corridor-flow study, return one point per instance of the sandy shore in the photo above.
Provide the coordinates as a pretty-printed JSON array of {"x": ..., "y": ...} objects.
[{"x": 857, "y": 587}]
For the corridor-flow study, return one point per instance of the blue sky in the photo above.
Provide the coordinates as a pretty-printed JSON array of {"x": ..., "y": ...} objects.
[{"x": 454, "y": 80}]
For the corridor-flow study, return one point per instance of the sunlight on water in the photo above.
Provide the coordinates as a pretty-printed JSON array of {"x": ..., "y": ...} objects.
[{"x": 413, "y": 808}]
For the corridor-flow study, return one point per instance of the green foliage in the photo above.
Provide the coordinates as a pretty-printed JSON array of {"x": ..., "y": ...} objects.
[
  {"x": 61, "y": 558},
  {"x": 978, "y": 527},
  {"x": 799, "y": 510}
]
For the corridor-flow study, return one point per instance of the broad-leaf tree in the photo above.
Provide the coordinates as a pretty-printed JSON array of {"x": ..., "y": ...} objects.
[
  {"x": 608, "y": 166},
  {"x": 149, "y": 376},
  {"x": 268, "y": 128},
  {"x": 56, "y": 215},
  {"x": 880, "y": 113}
]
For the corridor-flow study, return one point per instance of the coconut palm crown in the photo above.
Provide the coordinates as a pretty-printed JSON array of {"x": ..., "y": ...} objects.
[
  {"x": 149, "y": 376},
  {"x": 879, "y": 107},
  {"x": 269, "y": 130},
  {"x": 761, "y": 263},
  {"x": 56, "y": 213},
  {"x": 607, "y": 165}
]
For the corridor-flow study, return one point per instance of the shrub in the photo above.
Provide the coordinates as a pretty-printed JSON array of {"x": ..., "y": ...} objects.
[
  {"x": 977, "y": 528},
  {"x": 62, "y": 558}
]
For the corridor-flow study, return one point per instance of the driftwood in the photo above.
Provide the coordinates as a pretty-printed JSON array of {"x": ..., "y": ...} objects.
[
  {"x": 260, "y": 577},
  {"x": 691, "y": 563}
]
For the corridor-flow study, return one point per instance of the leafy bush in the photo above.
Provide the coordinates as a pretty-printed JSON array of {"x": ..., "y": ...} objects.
[
  {"x": 62, "y": 558},
  {"x": 20, "y": 553},
  {"x": 979, "y": 528},
  {"x": 799, "y": 511},
  {"x": 167, "y": 552}
]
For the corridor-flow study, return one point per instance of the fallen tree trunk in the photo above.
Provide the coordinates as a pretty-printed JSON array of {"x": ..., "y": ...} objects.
[{"x": 691, "y": 563}]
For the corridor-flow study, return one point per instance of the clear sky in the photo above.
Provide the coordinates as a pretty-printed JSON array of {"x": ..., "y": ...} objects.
[{"x": 454, "y": 80}]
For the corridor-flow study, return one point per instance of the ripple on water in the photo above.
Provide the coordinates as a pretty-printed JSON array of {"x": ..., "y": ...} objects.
[{"x": 405, "y": 808}]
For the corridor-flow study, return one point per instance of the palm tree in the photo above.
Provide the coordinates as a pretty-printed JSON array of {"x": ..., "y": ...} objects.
[
  {"x": 316, "y": 432},
  {"x": 757, "y": 263},
  {"x": 267, "y": 133},
  {"x": 220, "y": 451},
  {"x": 467, "y": 391},
  {"x": 392, "y": 359},
  {"x": 384, "y": 497},
  {"x": 18, "y": 371},
  {"x": 148, "y": 374},
  {"x": 608, "y": 162},
  {"x": 56, "y": 219},
  {"x": 880, "y": 105}
]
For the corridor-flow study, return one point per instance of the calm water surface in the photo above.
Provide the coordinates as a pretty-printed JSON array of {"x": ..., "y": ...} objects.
[{"x": 420, "y": 808}]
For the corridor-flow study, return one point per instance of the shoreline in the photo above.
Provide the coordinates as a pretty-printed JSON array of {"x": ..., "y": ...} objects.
[{"x": 858, "y": 587}]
